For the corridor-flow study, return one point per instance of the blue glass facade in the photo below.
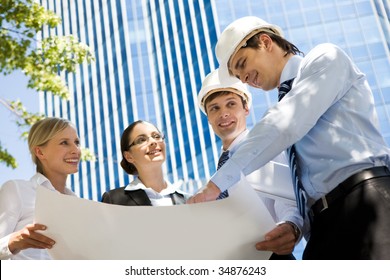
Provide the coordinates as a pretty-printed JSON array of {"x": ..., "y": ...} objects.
[
  {"x": 180, "y": 65},
  {"x": 151, "y": 57}
]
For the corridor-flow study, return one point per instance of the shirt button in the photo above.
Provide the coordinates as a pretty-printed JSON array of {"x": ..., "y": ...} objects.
[{"x": 229, "y": 177}]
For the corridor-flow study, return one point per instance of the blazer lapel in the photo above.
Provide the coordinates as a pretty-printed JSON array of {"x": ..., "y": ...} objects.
[{"x": 140, "y": 197}]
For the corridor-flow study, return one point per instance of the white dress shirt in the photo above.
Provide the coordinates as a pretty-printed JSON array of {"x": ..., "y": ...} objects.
[
  {"x": 162, "y": 198},
  {"x": 330, "y": 116},
  {"x": 17, "y": 205}
]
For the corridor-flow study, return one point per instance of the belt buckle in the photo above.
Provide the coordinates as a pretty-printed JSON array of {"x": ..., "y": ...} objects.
[
  {"x": 312, "y": 211},
  {"x": 324, "y": 203}
]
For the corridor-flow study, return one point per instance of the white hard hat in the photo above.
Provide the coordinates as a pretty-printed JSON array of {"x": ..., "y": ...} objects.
[
  {"x": 218, "y": 81},
  {"x": 236, "y": 35}
]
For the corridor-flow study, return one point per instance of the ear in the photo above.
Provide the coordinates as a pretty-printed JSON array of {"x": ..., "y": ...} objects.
[
  {"x": 39, "y": 153},
  {"x": 128, "y": 157},
  {"x": 246, "y": 110},
  {"x": 265, "y": 41}
]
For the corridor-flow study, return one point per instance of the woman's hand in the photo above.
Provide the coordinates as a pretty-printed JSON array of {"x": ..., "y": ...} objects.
[{"x": 28, "y": 237}]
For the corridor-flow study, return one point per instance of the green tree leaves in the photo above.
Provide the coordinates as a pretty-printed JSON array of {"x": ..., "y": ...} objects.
[
  {"x": 42, "y": 62},
  {"x": 6, "y": 158}
]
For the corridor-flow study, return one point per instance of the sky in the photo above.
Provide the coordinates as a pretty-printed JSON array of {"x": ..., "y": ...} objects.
[{"x": 14, "y": 87}]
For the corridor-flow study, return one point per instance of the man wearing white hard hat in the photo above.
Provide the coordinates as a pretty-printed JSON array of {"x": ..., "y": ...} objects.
[
  {"x": 226, "y": 103},
  {"x": 326, "y": 120}
]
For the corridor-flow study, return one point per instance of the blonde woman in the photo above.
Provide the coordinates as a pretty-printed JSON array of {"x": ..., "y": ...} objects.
[
  {"x": 55, "y": 149},
  {"x": 143, "y": 152}
]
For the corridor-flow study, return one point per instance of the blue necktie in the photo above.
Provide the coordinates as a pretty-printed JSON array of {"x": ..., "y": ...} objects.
[
  {"x": 284, "y": 88},
  {"x": 222, "y": 159}
]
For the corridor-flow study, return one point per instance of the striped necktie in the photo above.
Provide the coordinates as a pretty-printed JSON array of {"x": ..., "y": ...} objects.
[
  {"x": 222, "y": 159},
  {"x": 284, "y": 88},
  {"x": 299, "y": 190}
]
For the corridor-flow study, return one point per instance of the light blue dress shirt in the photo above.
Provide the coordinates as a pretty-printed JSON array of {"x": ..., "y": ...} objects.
[
  {"x": 280, "y": 209},
  {"x": 330, "y": 116}
]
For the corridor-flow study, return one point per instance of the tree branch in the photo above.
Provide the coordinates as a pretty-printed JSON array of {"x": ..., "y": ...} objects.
[
  {"x": 7, "y": 105},
  {"x": 20, "y": 33}
]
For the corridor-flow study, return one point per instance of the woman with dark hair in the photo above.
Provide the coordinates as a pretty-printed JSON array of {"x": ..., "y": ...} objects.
[{"x": 143, "y": 152}]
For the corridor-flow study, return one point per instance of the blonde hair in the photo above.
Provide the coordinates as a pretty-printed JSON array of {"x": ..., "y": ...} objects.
[{"x": 42, "y": 132}]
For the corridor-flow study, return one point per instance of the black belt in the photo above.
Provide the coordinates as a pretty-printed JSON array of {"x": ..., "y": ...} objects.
[{"x": 346, "y": 186}]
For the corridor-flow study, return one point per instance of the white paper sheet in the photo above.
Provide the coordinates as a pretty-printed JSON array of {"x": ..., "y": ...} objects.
[
  {"x": 223, "y": 229},
  {"x": 273, "y": 180}
]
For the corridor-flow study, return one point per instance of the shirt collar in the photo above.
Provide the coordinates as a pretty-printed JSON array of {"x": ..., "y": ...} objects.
[
  {"x": 136, "y": 184},
  {"x": 234, "y": 145},
  {"x": 291, "y": 68},
  {"x": 40, "y": 180}
]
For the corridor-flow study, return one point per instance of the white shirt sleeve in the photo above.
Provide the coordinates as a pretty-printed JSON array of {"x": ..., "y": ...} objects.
[
  {"x": 5, "y": 253},
  {"x": 10, "y": 205}
]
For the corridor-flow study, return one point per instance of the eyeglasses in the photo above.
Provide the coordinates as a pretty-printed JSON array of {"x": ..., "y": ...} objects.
[{"x": 143, "y": 140}]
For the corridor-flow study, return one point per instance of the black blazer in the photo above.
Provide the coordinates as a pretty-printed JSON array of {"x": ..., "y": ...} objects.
[{"x": 139, "y": 197}]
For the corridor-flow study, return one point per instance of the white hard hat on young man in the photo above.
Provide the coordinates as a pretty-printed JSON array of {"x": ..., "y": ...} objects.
[
  {"x": 216, "y": 81},
  {"x": 236, "y": 35}
]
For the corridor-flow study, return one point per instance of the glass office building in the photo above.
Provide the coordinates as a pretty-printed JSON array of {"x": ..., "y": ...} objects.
[{"x": 151, "y": 57}]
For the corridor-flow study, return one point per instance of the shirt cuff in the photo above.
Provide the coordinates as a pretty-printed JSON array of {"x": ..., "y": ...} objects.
[
  {"x": 228, "y": 175},
  {"x": 5, "y": 253},
  {"x": 297, "y": 230}
]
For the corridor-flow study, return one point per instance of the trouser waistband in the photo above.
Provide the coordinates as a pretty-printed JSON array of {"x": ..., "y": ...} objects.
[{"x": 346, "y": 186}]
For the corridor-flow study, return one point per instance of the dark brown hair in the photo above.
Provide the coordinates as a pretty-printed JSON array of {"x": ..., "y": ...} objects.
[{"x": 287, "y": 46}]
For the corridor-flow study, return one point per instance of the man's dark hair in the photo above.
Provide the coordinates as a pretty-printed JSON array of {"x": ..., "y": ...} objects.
[{"x": 287, "y": 46}]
